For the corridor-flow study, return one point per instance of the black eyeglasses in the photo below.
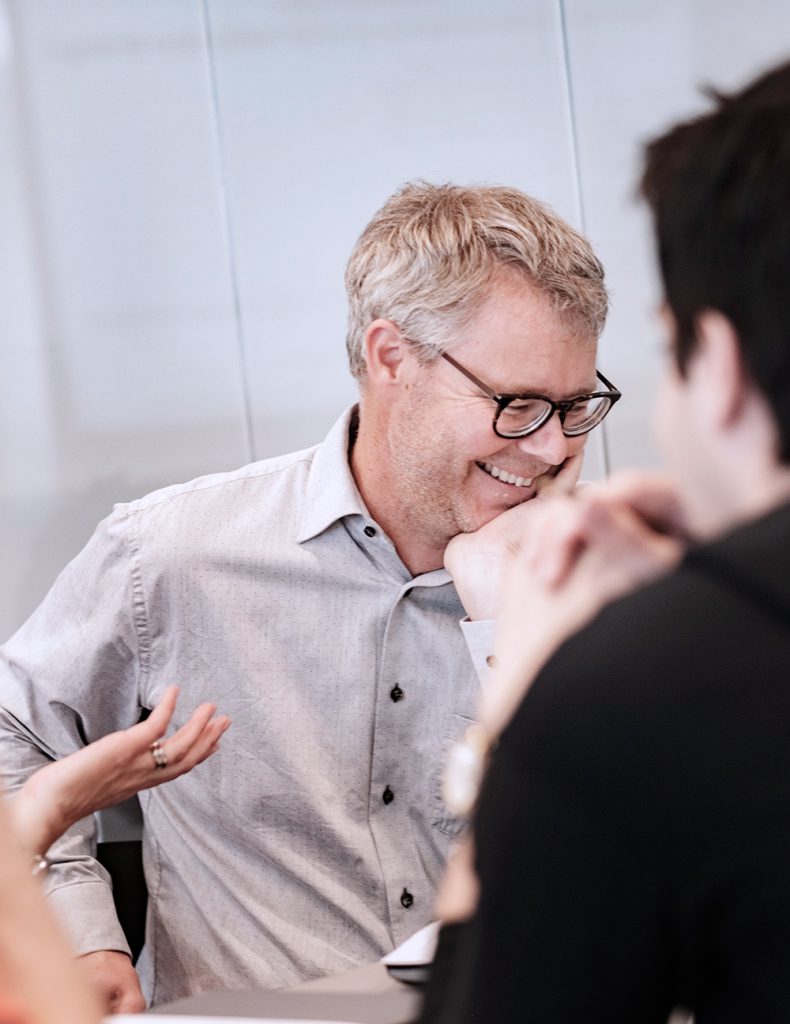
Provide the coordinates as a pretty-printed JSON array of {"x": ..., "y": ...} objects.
[{"x": 521, "y": 415}]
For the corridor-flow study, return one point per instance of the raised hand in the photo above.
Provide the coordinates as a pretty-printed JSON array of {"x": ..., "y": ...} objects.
[
  {"x": 476, "y": 560},
  {"x": 578, "y": 554},
  {"x": 111, "y": 769}
]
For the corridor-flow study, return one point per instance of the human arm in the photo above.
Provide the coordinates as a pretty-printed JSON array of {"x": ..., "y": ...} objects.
[
  {"x": 100, "y": 775},
  {"x": 459, "y": 890},
  {"x": 476, "y": 561},
  {"x": 580, "y": 553},
  {"x": 110, "y": 770},
  {"x": 40, "y": 983},
  {"x": 77, "y": 670},
  {"x": 562, "y": 897}
]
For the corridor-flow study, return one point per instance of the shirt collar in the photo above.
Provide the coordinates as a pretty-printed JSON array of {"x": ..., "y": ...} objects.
[{"x": 331, "y": 492}]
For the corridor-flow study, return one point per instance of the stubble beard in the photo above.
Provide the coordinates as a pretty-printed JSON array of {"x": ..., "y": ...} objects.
[{"x": 434, "y": 504}]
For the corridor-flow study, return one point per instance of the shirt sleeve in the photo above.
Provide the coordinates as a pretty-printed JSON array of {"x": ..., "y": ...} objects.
[
  {"x": 70, "y": 675},
  {"x": 479, "y": 637}
]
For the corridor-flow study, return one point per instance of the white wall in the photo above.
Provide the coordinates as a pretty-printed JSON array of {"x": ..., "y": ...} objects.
[
  {"x": 182, "y": 181},
  {"x": 636, "y": 67}
]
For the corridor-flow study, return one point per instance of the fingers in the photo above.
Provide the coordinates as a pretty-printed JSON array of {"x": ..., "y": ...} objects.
[
  {"x": 122, "y": 763},
  {"x": 188, "y": 746},
  {"x": 627, "y": 538},
  {"x": 155, "y": 726},
  {"x": 654, "y": 496},
  {"x": 565, "y": 480},
  {"x": 208, "y": 743},
  {"x": 180, "y": 742},
  {"x": 192, "y": 742},
  {"x": 635, "y": 516},
  {"x": 555, "y": 540},
  {"x": 615, "y": 543}
]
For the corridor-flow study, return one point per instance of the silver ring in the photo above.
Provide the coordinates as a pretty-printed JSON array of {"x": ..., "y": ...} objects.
[{"x": 159, "y": 756}]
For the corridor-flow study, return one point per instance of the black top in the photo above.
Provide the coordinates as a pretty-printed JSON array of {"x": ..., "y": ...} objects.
[{"x": 633, "y": 836}]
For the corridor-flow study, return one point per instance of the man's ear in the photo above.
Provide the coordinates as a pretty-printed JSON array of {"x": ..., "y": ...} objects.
[
  {"x": 385, "y": 348},
  {"x": 716, "y": 369}
]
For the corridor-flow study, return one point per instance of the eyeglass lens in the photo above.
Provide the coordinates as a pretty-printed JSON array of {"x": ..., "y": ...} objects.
[{"x": 523, "y": 416}]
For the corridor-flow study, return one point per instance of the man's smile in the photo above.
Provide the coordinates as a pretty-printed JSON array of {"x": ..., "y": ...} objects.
[{"x": 504, "y": 476}]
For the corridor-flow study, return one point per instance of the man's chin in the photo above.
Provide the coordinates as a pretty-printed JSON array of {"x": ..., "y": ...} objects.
[
  {"x": 518, "y": 496},
  {"x": 485, "y": 516},
  {"x": 520, "y": 499}
]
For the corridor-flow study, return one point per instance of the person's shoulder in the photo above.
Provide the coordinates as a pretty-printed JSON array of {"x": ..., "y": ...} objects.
[
  {"x": 623, "y": 677},
  {"x": 727, "y": 603},
  {"x": 599, "y": 723},
  {"x": 667, "y": 667},
  {"x": 220, "y": 512},
  {"x": 252, "y": 483},
  {"x": 649, "y": 633},
  {"x": 651, "y": 717}
]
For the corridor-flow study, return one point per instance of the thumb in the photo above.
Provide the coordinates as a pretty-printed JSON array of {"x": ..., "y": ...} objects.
[{"x": 564, "y": 481}]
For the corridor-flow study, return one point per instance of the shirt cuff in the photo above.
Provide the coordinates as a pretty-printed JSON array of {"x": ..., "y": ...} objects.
[
  {"x": 86, "y": 912},
  {"x": 479, "y": 636}
]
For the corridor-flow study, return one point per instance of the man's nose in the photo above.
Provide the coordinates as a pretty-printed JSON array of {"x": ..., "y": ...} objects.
[{"x": 548, "y": 443}]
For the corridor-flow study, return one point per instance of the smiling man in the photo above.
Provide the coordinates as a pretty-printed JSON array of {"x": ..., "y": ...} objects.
[
  {"x": 474, "y": 318},
  {"x": 309, "y": 594},
  {"x": 444, "y": 469}
]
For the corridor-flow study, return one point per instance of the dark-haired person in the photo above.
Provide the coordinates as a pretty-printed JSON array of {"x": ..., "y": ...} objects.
[{"x": 633, "y": 833}]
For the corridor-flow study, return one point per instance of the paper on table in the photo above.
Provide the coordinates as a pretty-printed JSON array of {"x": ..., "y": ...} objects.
[
  {"x": 159, "y": 1019},
  {"x": 416, "y": 951}
]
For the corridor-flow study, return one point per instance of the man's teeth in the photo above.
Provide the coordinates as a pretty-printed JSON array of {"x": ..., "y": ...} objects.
[{"x": 508, "y": 478}]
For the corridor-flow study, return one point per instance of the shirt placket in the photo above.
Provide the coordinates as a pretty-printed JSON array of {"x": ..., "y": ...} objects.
[{"x": 409, "y": 891}]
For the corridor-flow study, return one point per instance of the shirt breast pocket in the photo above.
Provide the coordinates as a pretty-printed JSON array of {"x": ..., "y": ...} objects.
[{"x": 449, "y": 824}]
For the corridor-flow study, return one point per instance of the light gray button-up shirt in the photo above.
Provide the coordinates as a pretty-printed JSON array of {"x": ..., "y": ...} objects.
[{"x": 314, "y": 840}]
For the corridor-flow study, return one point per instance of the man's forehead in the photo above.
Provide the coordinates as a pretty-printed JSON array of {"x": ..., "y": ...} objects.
[
  {"x": 511, "y": 293},
  {"x": 559, "y": 370},
  {"x": 554, "y": 386}
]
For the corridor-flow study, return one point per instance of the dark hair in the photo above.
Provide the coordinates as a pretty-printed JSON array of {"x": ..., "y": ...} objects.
[{"x": 719, "y": 190}]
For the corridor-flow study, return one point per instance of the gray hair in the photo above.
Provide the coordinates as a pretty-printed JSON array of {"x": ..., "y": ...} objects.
[{"x": 427, "y": 258}]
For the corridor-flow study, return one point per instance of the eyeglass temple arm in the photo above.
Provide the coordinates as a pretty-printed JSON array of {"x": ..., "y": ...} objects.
[
  {"x": 470, "y": 376},
  {"x": 606, "y": 382},
  {"x": 497, "y": 398}
]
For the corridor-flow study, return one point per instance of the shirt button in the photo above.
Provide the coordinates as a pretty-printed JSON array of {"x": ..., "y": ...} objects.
[
  {"x": 491, "y": 661},
  {"x": 397, "y": 694},
  {"x": 370, "y": 531},
  {"x": 387, "y": 796},
  {"x": 406, "y": 899}
]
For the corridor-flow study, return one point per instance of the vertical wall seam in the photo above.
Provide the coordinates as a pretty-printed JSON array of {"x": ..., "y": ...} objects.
[
  {"x": 578, "y": 196},
  {"x": 227, "y": 227}
]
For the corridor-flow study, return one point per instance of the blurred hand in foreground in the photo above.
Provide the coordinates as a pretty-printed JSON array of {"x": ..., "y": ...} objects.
[
  {"x": 40, "y": 983},
  {"x": 580, "y": 552}
]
